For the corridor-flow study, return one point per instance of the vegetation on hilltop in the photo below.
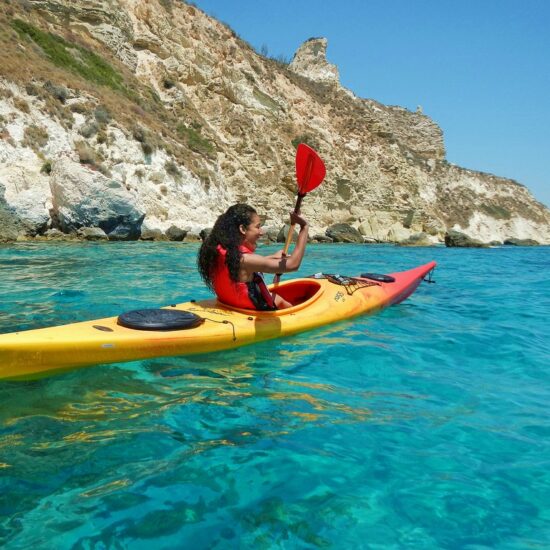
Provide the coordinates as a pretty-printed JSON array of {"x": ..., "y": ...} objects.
[
  {"x": 73, "y": 57},
  {"x": 57, "y": 64}
]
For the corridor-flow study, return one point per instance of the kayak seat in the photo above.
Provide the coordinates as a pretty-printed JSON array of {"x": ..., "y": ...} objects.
[
  {"x": 298, "y": 292},
  {"x": 159, "y": 319}
]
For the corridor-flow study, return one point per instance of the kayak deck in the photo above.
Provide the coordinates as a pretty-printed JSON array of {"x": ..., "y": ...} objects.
[{"x": 319, "y": 302}]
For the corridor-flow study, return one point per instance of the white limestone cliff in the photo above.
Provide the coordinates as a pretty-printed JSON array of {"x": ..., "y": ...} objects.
[{"x": 202, "y": 121}]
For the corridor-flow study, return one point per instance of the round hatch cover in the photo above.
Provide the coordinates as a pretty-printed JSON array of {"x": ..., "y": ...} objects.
[
  {"x": 378, "y": 277},
  {"x": 159, "y": 319}
]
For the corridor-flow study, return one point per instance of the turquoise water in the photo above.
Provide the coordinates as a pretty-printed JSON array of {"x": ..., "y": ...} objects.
[{"x": 424, "y": 426}]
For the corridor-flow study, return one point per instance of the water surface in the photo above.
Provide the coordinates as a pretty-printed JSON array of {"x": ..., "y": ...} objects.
[{"x": 424, "y": 426}]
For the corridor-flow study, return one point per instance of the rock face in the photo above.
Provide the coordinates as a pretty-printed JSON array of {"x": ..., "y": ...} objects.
[
  {"x": 456, "y": 239},
  {"x": 310, "y": 61},
  {"x": 92, "y": 234},
  {"x": 9, "y": 221},
  {"x": 521, "y": 242},
  {"x": 174, "y": 233},
  {"x": 417, "y": 239},
  {"x": 164, "y": 117},
  {"x": 344, "y": 233},
  {"x": 84, "y": 198}
]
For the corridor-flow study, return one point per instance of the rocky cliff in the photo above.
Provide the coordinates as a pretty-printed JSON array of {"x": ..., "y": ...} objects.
[{"x": 148, "y": 118}]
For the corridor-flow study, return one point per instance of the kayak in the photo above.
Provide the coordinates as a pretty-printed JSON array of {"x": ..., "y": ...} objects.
[{"x": 201, "y": 326}]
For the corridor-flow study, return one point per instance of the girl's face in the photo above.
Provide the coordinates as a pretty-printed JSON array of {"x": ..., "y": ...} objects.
[{"x": 252, "y": 232}]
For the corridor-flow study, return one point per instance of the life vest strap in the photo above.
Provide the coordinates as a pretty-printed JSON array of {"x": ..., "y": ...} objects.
[{"x": 259, "y": 293}]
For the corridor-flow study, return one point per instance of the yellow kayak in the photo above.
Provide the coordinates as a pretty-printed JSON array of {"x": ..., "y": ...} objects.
[{"x": 205, "y": 326}]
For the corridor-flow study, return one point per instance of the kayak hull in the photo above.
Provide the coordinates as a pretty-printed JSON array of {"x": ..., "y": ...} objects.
[{"x": 40, "y": 352}]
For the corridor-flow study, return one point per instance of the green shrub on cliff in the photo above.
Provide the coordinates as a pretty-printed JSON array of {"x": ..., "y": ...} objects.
[
  {"x": 71, "y": 56},
  {"x": 496, "y": 211},
  {"x": 195, "y": 141},
  {"x": 35, "y": 137}
]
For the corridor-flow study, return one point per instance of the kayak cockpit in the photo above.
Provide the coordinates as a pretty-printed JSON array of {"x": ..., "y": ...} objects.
[{"x": 301, "y": 293}]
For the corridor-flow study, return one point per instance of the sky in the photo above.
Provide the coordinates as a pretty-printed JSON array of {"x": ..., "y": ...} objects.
[{"x": 479, "y": 68}]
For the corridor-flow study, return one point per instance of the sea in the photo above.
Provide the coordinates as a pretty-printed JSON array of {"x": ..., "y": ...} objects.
[{"x": 425, "y": 425}]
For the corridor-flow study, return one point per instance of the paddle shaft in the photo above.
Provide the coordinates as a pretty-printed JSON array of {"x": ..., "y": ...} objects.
[
  {"x": 303, "y": 183},
  {"x": 297, "y": 206}
]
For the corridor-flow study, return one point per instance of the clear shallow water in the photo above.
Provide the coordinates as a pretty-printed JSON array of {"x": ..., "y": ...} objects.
[{"x": 425, "y": 426}]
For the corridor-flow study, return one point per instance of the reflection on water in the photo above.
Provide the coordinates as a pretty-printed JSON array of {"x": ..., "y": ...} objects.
[{"x": 168, "y": 422}]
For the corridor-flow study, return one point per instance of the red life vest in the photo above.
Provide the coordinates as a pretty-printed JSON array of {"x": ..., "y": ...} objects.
[{"x": 251, "y": 295}]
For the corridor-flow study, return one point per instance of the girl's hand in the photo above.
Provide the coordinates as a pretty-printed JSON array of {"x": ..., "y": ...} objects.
[{"x": 297, "y": 219}]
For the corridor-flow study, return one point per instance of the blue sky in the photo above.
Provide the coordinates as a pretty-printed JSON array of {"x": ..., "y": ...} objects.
[{"x": 479, "y": 68}]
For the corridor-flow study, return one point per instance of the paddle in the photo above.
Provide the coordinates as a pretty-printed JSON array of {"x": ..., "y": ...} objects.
[{"x": 310, "y": 172}]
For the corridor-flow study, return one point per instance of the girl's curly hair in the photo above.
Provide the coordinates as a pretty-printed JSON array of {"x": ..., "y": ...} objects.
[{"x": 226, "y": 233}]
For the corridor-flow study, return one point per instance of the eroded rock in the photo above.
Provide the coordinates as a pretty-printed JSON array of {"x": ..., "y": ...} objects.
[
  {"x": 344, "y": 233},
  {"x": 92, "y": 234},
  {"x": 417, "y": 239},
  {"x": 174, "y": 233},
  {"x": 521, "y": 242},
  {"x": 310, "y": 61},
  {"x": 458, "y": 239},
  {"x": 9, "y": 220},
  {"x": 82, "y": 197}
]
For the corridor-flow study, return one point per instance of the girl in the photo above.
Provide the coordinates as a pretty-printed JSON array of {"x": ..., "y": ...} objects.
[{"x": 229, "y": 265}]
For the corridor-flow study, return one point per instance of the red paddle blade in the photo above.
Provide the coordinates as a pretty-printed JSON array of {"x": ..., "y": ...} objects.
[{"x": 310, "y": 169}]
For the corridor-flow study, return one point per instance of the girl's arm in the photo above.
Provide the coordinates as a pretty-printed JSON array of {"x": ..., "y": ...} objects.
[
  {"x": 276, "y": 263},
  {"x": 277, "y": 256}
]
